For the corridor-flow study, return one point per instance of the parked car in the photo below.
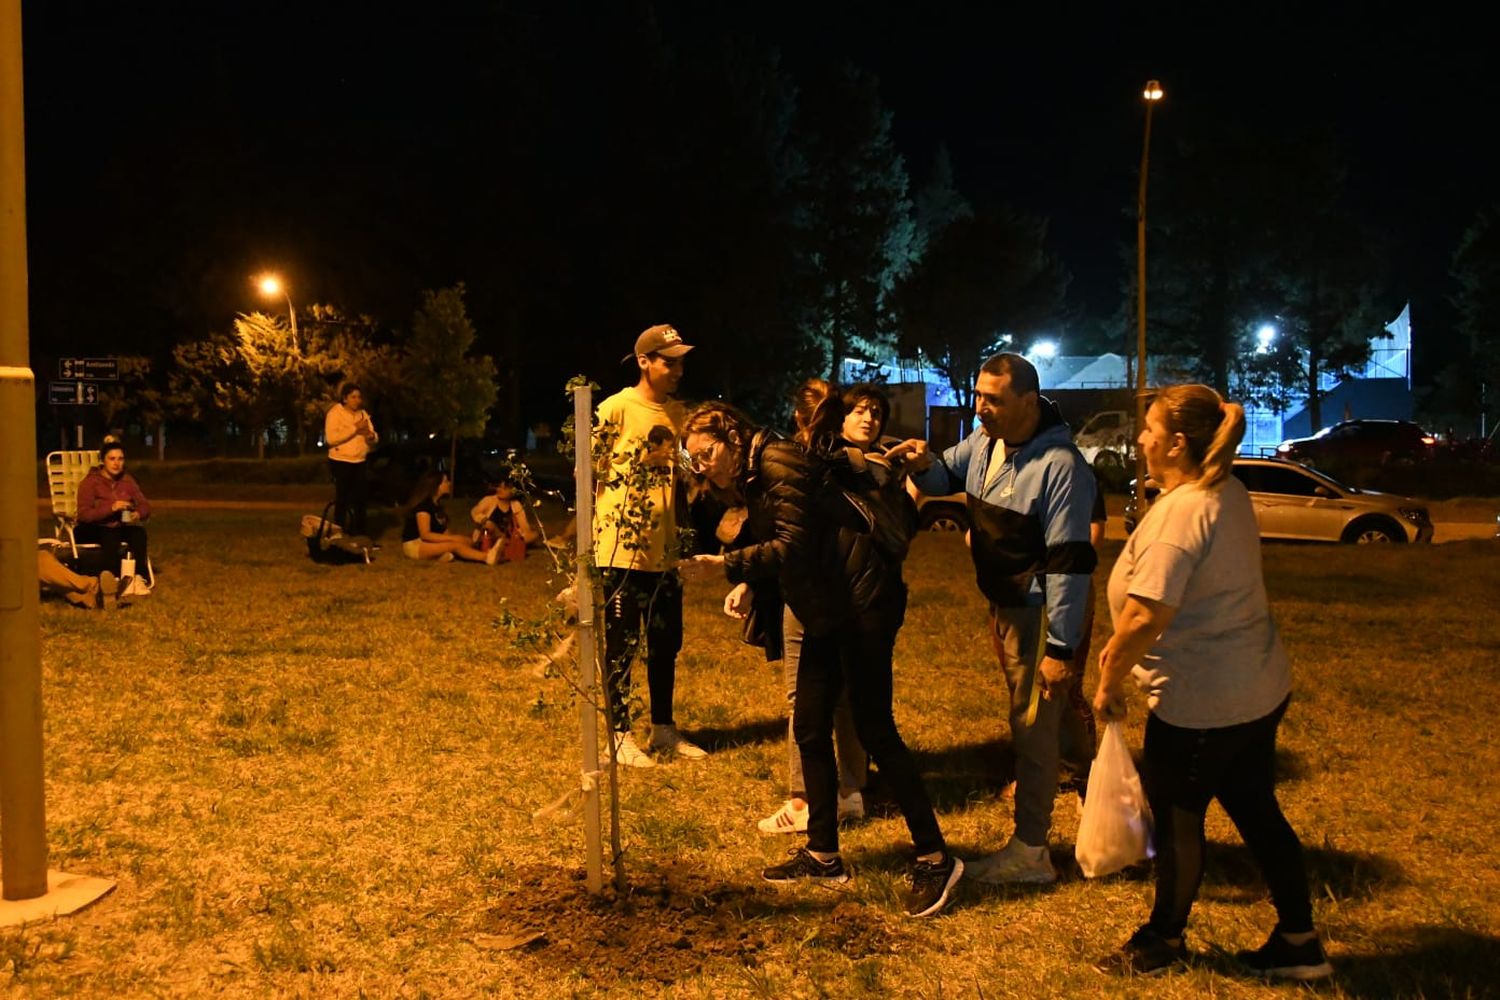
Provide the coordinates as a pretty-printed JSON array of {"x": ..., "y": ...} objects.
[
  {"x": 949, "y": 513},
  {"x": 1297, "y": 503},
  {"x": 1362, "y": 442},
  {"x": 1107, "y": 439}
]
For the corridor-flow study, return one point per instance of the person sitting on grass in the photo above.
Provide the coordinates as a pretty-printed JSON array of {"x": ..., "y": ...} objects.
[
  {"x": 424, "y": 533},
  {"x": 87, "y": 592},
  {"x": 501, "y": 522},
  {"x": 112, "y": 513}
]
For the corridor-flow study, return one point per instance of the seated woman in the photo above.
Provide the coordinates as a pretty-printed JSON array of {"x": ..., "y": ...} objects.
[
  {"x": 501, "y": 523},
  {"x": 424, "y": 533},
  {"x": 112, "y": 512}
]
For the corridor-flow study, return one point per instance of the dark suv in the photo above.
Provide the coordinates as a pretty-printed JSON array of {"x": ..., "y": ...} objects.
[{"x": 1362, "y": 443}]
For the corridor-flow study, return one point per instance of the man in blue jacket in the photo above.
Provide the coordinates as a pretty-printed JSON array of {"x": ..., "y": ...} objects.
[{"x": 1030, "y": 496}]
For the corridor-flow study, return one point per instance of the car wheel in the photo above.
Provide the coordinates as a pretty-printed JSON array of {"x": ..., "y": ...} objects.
[
  {"x": 943, "y": 517},
  {"x": 1108, "y": 460},
  {"x": 1373, "y": 532}
]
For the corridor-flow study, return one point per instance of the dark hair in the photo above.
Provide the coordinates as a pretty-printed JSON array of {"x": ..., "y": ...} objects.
[
  {"x": 869, "y": 392},
  {"x": 1023, "y": 377},
  {"x": 1211, "y": 427},
  {"x": 108, "y": 447},
  {"x": 425, "y": 488},
  {"x": 818, "y": 411},
  {"x": 347, "y": 388}
]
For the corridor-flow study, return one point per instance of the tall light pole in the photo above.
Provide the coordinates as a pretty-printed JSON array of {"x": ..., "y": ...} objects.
[
  {"x": 270, "y": 286},
  {"x": 1152, "y": 94}
]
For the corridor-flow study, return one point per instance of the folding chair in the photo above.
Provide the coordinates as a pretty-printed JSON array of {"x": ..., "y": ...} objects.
[{"x": 65, "y": 471}]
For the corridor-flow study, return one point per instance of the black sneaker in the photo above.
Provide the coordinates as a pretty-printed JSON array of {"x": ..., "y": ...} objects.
[
  {"x": 1146, "y": 953},
  {"x": 1280, "y": 959},
  {"x": 932, "y": 885},
  {"x": 804, "y": 866}
]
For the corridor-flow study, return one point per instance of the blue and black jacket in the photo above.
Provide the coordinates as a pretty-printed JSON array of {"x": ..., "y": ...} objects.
[{"x": 1030, "y": 525}]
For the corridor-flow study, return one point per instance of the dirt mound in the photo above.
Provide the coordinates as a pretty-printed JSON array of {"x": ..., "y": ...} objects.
[{"x": 668, "y": 927}]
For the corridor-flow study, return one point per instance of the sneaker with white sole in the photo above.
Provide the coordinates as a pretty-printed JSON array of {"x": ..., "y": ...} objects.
[
  {"x": 1016, "y": 862},
  {"x": 668, "y": 740},
  {"x": 1278, "y": 958},
  {"x": 787, "y": 819},
  {"x": 803, "y": 866},
  {"x": 932, "y": 885},
  {"x": 628, "y": 754}
]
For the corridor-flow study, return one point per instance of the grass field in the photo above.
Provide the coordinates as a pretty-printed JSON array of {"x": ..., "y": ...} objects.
[{"x": 313, "y": 781}]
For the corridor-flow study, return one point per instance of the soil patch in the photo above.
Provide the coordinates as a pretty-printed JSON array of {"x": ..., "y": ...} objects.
[{"x": 670, "y": 926}]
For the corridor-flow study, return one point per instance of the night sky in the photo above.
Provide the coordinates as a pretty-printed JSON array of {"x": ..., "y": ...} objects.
[{"x": 204, "y": 140}]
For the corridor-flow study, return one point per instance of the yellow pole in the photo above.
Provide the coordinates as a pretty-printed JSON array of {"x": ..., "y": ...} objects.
[
  {"x": 1140, "y": 306},
  {"x": 588, "y": 665},
  {"x": 23, "y": 832}
]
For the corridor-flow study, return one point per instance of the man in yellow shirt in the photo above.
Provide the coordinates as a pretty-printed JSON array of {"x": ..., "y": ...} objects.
[{"x": 636, "y": 542}]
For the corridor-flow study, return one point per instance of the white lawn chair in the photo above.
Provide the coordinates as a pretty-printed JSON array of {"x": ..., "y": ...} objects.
[{"x": 65, "y": 472}]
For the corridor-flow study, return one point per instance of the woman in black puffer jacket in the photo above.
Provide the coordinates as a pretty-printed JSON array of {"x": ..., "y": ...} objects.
[{"x": 850, "y": 605}]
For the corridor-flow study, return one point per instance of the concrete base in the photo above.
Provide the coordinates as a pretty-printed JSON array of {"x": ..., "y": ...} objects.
[{"x": 65, "y": 894}]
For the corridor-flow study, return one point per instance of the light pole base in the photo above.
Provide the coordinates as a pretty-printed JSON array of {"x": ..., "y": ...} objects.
[{"x": 65, "y": 894}]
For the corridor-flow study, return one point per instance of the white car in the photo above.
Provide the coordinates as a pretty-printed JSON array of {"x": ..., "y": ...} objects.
[{"x": 1296, "y": 502}]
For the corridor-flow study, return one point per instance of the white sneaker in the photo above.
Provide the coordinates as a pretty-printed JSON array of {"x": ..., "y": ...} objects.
[
  {"x": 630, "y": 755},
  {"x": 851, "y": 806},
  {"x": 668, "y": 739},
  {"x": 138, "y": 587},
  {"x": 1016, "y": 862},
  {"x": 787, "y": 819}
]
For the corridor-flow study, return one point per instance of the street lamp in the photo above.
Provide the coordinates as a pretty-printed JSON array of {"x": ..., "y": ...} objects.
[
  {"x": 270, "y": 286},
  {"x": 1151, "y": 94}
]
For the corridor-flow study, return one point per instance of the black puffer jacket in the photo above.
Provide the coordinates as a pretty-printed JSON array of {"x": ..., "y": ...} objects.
[{"x": 806, "y": 538}]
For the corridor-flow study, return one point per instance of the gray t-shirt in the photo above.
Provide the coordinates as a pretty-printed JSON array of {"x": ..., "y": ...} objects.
[{"x": 1220, "y": 662}]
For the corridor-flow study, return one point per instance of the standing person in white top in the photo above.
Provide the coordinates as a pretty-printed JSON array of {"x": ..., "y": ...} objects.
[
  {"x": 636, "y": 543},
  {"x": 350, "y": 435},
  {"x": 1192, "y": 622}
]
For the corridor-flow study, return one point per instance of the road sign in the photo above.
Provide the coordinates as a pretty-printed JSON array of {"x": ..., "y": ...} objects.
[
  {"x": 94, "y": 369},
  {"x": 72, "y": 394}
]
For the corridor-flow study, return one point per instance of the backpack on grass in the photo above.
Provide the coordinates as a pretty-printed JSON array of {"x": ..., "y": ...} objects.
[{"x": 327, "y": 543}]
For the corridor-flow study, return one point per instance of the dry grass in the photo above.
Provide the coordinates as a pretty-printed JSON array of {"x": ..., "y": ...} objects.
[{"x": 316, "y": 781}]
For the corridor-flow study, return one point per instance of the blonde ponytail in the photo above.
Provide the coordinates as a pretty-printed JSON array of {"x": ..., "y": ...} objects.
[{"x": 1211, "y": 427}]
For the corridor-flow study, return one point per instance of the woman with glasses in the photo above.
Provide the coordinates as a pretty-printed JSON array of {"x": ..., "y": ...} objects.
[{"x": 842, "y": 590}]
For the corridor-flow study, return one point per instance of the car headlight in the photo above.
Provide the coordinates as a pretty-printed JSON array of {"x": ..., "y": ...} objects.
[
  {"x": 1283, "y": 449},
  {"x": 1416, "y": 515}
]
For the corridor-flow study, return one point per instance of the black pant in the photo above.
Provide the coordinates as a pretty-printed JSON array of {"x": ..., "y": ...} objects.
[
  {"x": 351, "y": 494},
  {"x": 1185, "y": 769},
  {"x": 641, "y": 605},
  {"x": 113, "y": 540},
  {"x": 859, "y": 655}
]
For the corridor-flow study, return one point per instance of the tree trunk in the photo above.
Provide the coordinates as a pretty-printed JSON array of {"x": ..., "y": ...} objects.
[
  {"x": 260, "y": 444},
  {"x": 1314, "y": 397},
  {"x": 453, "y": 459},
  {"x": 161, "y": 441}
]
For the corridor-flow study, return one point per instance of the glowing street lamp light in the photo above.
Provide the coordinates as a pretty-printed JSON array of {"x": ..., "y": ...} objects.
[
  {"x": 270, "y": 286},
  {"x": 1264, "y": 338},
  {"x": 1044, "y": 349},
  {"x": 1151, "y": 94}
]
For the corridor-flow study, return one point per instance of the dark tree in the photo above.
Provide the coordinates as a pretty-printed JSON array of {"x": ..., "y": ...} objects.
[{"x": 984, "y": 278}]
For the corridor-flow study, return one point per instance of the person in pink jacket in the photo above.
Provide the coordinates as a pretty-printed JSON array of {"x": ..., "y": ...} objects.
[{"x": 112, "y": 512}]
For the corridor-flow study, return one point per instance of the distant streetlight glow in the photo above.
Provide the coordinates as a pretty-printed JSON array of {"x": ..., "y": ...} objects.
[
  {"x": 1045, "y": 349},
  {"x": 1153, "y": 91},
  {"x": 270, "y": 285},
  {"x": 1263, "y": 338}
]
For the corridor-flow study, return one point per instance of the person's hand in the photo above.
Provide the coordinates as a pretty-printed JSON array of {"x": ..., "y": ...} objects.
[
  {"x": 700, "y": 566},
  {"x": 1109, "y": 705},
  {"x": 913, "y": 451},
  {"x": 1053, "y": 671},
  {"x": 121, "y": 505},
  {"x": 738, "y": 601}
]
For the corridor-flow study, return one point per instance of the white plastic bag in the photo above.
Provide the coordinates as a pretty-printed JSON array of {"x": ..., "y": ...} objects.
[{"x": 1115, "y": 830}]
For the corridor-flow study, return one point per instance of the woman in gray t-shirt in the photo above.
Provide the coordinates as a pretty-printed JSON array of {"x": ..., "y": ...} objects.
[{"x": 1192, "y": 622}]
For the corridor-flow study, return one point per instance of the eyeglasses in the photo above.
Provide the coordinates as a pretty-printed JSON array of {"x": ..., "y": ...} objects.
[{"x": 700, "y": 460}]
